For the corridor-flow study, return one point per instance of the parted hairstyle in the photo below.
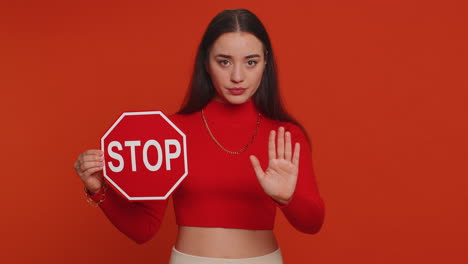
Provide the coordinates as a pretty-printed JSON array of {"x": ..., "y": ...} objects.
[{"x": 266, "y": 99}]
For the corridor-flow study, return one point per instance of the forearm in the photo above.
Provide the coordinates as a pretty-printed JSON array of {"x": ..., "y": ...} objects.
[
  {"x": 305, "y": 213},
  {"x": 306, "y": 208},
  {"x": 137, "y": 220}
]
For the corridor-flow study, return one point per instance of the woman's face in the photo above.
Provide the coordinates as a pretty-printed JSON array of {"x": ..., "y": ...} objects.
[{"x": 235, "y": 64}]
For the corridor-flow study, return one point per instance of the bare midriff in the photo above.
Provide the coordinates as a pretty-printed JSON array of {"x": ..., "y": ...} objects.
[{"x": 216, "y": 242}]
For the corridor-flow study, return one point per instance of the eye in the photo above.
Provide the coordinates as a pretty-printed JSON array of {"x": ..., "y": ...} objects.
[
  {"x": 223, "y": 62},
  {"x": 252, "y": 62}
]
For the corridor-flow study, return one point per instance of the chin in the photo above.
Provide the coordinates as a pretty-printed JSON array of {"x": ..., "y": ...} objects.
[{"x": 236, "y": 99}]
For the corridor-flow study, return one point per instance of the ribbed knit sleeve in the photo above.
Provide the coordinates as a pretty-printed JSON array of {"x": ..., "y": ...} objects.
[
  {"x": 306, "y": 210},
  {"x": 138, "y": 220}
]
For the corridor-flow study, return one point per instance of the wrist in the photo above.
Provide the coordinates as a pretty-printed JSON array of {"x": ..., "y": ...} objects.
[
  {"x": 281, "y": 201},
  {"x": 92, "y": 191},
  {"x": 97, "y": 197}
]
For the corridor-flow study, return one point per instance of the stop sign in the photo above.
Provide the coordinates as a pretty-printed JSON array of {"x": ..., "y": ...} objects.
[{"x": 145, "y": 155}]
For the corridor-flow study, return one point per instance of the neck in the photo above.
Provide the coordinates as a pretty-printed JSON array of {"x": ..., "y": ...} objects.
[{"x": 217, "y": 110}]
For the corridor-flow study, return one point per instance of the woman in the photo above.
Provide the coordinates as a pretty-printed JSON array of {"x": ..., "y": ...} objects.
[{"x": 235, "y": 125}]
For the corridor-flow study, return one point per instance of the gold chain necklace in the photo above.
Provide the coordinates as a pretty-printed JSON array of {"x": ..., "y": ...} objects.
[{"x": 228, "y": 151}]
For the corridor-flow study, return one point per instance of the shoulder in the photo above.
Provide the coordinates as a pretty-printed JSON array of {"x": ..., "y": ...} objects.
[
  {"x": 185, "y": 121},
  {"x": 177, "y": 118}
]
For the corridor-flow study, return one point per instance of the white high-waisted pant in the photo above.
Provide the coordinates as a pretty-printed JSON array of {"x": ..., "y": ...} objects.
[{"x": 178, "y": 257}]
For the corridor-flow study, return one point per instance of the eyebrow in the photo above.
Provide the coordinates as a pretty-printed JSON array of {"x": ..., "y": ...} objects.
[{"x": 229, "y": 56}]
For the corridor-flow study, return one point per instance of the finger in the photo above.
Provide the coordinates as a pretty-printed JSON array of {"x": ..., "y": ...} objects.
[
  {"x": 76, "y": 165},
  {"x": 280, "y": 146},
  {"x": 90, "y": 171},
  {"x": 297, "y": 149},
  {"x": 91, "y": 164},
  {"x": 287, "y": 151},
  {"x": 92, "y": 158},
  {"x": 93, "y": 152},
  {"x": 256, "y": 166},
  {"x": 271, "y": 146}
]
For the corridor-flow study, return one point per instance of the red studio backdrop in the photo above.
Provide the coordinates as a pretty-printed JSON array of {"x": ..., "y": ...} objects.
[{"x": 380, "y": 86}]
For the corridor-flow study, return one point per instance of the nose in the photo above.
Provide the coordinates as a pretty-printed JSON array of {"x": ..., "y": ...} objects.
[{"x": 237, "y": 74}]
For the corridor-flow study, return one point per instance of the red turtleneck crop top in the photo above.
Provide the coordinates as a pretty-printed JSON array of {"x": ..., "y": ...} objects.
[{"x": 221, "y": 189}]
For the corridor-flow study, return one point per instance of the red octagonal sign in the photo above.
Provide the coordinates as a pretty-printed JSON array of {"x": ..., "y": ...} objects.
[{"x": 145, "y": 155}]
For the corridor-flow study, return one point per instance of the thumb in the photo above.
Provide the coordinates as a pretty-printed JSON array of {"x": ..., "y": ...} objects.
[{"x": 257, "y": 168}]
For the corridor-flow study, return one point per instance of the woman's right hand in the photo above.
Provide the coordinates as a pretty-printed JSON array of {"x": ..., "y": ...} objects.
[{"x": 89, "y": 166}]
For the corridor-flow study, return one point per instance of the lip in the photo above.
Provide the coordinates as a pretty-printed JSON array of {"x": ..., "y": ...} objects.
[{"x": 237, "y": 90}]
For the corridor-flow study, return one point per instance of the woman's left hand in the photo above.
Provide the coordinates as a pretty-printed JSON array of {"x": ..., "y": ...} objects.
[{"x": 279, "y": 179}]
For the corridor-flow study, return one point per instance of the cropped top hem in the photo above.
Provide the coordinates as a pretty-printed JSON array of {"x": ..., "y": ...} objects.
[{"x": 225, "y": 225}]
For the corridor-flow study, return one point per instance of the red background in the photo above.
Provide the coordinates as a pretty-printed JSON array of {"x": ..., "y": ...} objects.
[{"x": 379, "y": 85}]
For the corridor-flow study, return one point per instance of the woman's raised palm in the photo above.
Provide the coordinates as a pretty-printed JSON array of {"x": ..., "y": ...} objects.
[{"x": 279, "y": 179}]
